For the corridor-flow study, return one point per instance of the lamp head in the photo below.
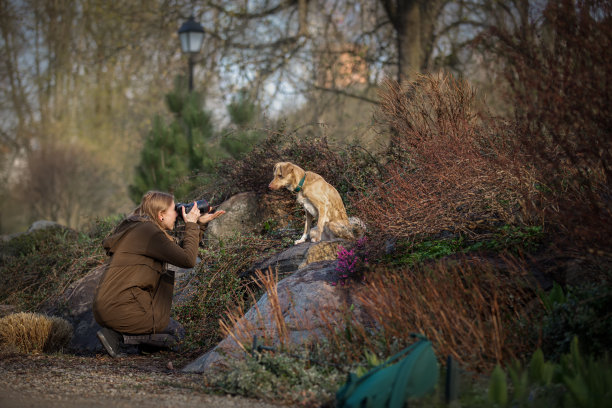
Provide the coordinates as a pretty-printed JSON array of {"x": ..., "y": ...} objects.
[{"x": 191, "y": 35}]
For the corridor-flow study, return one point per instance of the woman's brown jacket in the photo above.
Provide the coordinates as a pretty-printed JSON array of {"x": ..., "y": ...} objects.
[{"x": 135, "y": 294}]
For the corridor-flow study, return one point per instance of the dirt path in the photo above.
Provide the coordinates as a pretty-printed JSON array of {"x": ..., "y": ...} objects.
[{"x": 62, "y": 380}]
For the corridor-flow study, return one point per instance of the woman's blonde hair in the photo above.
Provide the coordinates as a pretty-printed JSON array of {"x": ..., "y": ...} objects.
[{"x": 152, "y": 203}]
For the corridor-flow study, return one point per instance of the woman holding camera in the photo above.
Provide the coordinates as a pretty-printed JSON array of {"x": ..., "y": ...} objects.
[{"x": 134, "y": 296}]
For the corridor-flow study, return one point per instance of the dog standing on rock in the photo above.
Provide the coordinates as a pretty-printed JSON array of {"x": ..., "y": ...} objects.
[{"x": 320, "y": 200}]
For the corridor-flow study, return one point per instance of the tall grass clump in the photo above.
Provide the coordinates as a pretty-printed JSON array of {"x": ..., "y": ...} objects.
[
  {"x": 477, "y": 313},
  {"x": 34, "y": 333},
  {"x": 280, "y": 371},
  {"x": 448, "y": 167},
  {"x": 270, "y": 324}
]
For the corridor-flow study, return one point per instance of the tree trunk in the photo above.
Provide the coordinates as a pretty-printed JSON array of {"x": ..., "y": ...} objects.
[
  {"x": 414, "y": 23},
  {"x": 409, "y": 53}
]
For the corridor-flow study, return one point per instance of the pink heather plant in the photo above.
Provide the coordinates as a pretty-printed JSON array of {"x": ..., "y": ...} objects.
[{"x": 352, "y": 263}]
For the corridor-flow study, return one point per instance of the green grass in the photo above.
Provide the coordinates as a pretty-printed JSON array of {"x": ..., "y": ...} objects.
[
  {"x": 279, "y": 377},
  {"x": 508, "y": 238}
]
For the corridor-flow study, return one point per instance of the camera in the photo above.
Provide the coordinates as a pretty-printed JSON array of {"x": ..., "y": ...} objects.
[{"x": 202, "y": 204}]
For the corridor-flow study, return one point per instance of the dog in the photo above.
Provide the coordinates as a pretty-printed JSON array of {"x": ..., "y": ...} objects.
[{"x": 320, "y": 200}]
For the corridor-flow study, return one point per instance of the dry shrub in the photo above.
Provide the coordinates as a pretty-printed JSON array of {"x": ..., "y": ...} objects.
[
  {"x": 33, "y": 332},
  {"x": 559, "y": 69},
  {"x": 469, "y": 310},
  {"x": 448, "y": 170},
  {"x": 37, "y": 267},
  {"x": 346, "y": 168},
  {"x": 253, "y": 172}
]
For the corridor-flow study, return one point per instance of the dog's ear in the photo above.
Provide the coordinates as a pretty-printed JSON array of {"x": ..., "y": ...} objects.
[
  {"x": 282, "y": 169},
  {"x": 279, "y": 169},
  {"x": 286, "y": 169}
]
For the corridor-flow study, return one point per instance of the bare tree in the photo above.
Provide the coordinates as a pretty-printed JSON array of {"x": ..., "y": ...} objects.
[
  {"x": 83, "y": 72},
  {"x": 296, "y": 42},
  {"x": 65, "y": 183}
]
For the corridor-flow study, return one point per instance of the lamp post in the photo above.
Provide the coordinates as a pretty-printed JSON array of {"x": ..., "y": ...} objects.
[{"x": 191, "y": 35}]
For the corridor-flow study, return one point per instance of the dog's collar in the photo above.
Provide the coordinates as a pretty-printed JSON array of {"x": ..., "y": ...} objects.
[{"x": 300, "y": 184}]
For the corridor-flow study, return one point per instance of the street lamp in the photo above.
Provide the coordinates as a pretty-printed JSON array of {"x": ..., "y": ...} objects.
[{"x": 191, "y": 35}]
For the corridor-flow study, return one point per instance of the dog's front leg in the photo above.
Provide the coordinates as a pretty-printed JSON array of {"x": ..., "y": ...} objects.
[{"x": 307, "y": 226}]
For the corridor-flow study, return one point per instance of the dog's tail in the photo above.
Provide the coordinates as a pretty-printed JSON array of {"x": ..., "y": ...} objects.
[
  {"x": 354, "y": 230},
  {"x": 358, "y": 227}
]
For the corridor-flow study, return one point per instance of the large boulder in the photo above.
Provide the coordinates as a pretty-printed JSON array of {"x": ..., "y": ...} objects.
[
  {"x": 36, "y": 225},
  {"x": 297, "y": 257},
  {"x": 242, "y": 215},
  {"x": 303, "y": 299},
  {"x": 75, "y": 305},
  {"x": 251, "y": 212}
]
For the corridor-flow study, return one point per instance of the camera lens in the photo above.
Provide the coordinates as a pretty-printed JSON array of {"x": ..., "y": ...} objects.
[{"x": 202, "y": 204}]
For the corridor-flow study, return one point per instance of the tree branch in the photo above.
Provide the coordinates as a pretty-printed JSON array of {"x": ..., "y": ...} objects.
[
  {"x": 345, "y": 93},
  {"x": 283, "y": 5}
]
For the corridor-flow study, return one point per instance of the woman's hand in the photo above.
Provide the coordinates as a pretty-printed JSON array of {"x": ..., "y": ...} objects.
[
  {"x": 193, "y": 215},
  {"x": 208, "y": 217}
]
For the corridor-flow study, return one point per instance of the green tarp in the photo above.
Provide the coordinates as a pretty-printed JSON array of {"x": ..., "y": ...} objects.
[{"x": 413, "y": 372}]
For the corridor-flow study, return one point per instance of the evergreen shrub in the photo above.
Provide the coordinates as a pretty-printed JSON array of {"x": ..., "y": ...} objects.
[
  {"x": 36, "y": 267},
  {"x": 584, "y": 312}
]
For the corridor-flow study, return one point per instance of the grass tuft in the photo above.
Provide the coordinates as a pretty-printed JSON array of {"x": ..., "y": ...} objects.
[{"x": 34, "y": 333}]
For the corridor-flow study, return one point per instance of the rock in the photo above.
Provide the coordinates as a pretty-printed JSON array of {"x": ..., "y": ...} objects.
[
  {"x": 43, "y": 224},
  {"x": 183, "y": 283},
  {"x": 303, "y": 297},
  {"x": 298, "y": 256},
  {"x": 75, "y": 305},
  {"x": 242, "y": 215},
  {"x": 36, "y": 225},
  {"x": 8, "y": 237},
  {"x": 6, "y": 310}
]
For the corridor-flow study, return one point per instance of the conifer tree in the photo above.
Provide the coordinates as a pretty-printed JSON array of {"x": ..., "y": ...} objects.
[
  {"x": 175, "y": 155},
  {"x": 243, "y": 113}
]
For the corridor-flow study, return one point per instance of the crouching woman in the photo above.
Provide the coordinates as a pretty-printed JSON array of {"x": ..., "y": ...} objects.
[{"x": 133, "y": 299}]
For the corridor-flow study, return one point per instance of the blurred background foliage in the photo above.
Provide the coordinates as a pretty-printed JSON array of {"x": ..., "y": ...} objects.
[{"x": 102, "y": 81}]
